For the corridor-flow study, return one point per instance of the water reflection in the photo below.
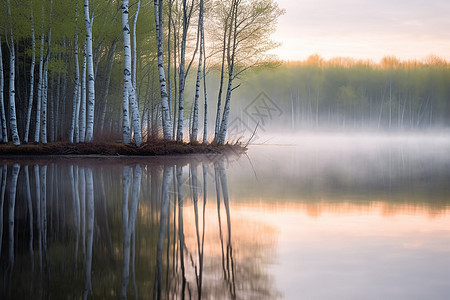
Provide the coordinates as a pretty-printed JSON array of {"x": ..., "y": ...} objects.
[
  {"x": 319, "y": 225},
  {"x": 118, "y": 228}
]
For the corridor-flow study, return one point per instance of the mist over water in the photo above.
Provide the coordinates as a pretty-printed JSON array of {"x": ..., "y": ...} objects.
[{"x": 311, "y": 215}]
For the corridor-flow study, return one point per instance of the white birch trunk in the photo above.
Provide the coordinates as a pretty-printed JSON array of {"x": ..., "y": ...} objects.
[
  {"x": 169, "y": 65},
  {"x": 205, "y": 94},
  {"x": 128, "y": 84},
  {"x": 40, "y": 88},
  {"x": 44, "y": 105},
  {"x": 166, "y": 120},
  {"x": 126, "y": 135},
  {"x": 33, "y": 63},
  {"x": 199, "y": 75},
  {"x": 74, "y": 134},
  {"x": 77, "y": 116},
  {"x": 127, "y": 91},
  {"x": 45, "y": 84},
  {"x": 133, "y": 93},
  {"x": 134, "y": 60},
  {"x": 231, "y": 50},
  {"x": 219, "y": 97},
  {"x": 226, "y": 112},
  {"x": 2, "y": 106},
  {"x": 90, "y": 74},
  {"x": 82, "y": 125},
  {"x": 12, "y": 91},
  {"x": 182, "y": 77}
]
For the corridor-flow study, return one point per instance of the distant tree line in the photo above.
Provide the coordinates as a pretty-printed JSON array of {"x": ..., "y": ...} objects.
[
  {"x": 348, "y": 93},
  {"x": 81, "y": 71}
]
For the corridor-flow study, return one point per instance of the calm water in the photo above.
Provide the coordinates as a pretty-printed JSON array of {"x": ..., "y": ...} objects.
[{"x": 318, "y": 217}]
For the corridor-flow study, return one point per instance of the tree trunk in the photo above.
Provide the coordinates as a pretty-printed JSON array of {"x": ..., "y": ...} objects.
[
  {"x": 74, "y": 130},
  {"x": 231, "y": 51},
  {"x": 12, "y": 90},
  {"x": 45, "y": 84},
  {"x": 205, "y": 118},
  {"x": 82, "y": 134},
  {"x": 166, "y": 121},
  {"x": 219, "y": 97},
  {"x": 40, "y": 85},
  {"x": 90, "y": 74},
  {"x": 199, "y": 75},
  {"x": 182, "y": 74},
  {"x": 128, "y": 84},
  {"x": 33, "y": 63}
]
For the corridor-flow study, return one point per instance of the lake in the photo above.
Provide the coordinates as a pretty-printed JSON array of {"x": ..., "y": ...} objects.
[{"x": 362, "y": 216}]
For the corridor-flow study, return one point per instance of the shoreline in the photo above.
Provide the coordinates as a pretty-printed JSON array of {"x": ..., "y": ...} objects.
[{"x": 111, "y": 149}]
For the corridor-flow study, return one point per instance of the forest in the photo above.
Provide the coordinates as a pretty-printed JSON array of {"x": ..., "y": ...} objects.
[
  {"x": 346, "y": 94},
  {"x": 83, "y": 71}
]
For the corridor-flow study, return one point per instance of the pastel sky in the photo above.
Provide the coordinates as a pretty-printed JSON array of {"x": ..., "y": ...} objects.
[{"x": 363, "y": 29}]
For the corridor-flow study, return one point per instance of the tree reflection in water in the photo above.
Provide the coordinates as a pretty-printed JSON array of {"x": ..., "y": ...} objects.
[{"x": 120, "y": 228}]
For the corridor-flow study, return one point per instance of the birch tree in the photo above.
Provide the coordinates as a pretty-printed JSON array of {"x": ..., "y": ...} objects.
[
  {"x": 200, "y": 38},
  {"x": 247, "y": 26},
  {"x": 74, "y": 125},
  {"x": 12, "y": 75},
  {"x": 128, "y": 85},
  {"x": 33, "y": 62},
  {"x": 205, "y": 94},
  {"x": 88, "y": 20},
  {"x": 45, "y": 82},
  {"x": 37, "y": 127},
  {"x": 82, "y": 116},
  {"x": 183, "y": 72},
  {"x": 166, "y": 120}
]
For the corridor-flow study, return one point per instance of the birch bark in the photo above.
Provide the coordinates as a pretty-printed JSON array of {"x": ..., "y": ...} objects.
[
  {"x": 166, "y": 120},
  {"x": 12, "y": 75},
  {"x": 33, "y": 63},
  {"x": 90, "y": 74},
  {"x": 74, "y": 134}
]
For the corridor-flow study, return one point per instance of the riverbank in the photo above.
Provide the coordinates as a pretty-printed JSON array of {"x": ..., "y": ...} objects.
[{"x": 155, "y": 148}]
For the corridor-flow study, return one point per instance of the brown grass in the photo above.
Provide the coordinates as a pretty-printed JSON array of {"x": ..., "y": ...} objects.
[{"x": 158, "y": 147}]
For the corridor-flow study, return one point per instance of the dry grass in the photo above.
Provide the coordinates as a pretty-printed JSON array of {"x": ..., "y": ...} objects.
[{"x": 155, "y": 147}]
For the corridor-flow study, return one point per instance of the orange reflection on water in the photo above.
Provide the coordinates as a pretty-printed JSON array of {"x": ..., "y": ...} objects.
[{"x": 334, "y": 250}]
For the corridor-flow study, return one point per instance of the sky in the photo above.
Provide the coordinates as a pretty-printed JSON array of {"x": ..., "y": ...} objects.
[{"x": 363, "y": 29}]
